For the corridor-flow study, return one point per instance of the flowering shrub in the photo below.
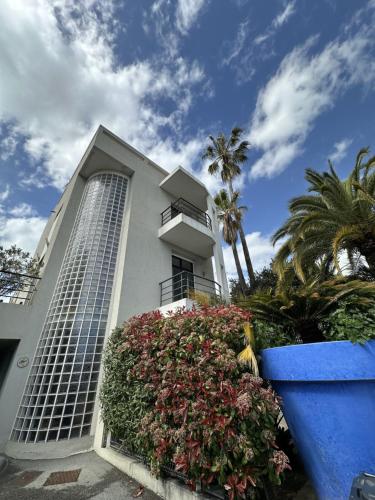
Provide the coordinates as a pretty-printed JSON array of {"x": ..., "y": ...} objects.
[{"x": 175, "y": 392}]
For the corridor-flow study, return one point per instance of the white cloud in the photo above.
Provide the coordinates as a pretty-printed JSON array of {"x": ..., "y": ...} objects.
[
  {"x": 234, "y": 48},
  {"x": 22, "y": 210},
  {"x": 340, "y": 150},
  {"x": 8, "y": 145},
  {"x": 21, "y": 231},
  {"x": 261, "y": 252},
  {"x": 159, "y": 21},
  {"x": 243, "y": 54},
  {"x": 20, "y": 225},
  {"x": 187, "y": 13},
  {"x": 302, "y": 89},
  {"x": 167, "y": 15},
  {"x": 5, "y": 194},
  {"x": 60, "y": 80},
  {"x": 37, "y": 179},
  {"x": 261, "y": 38},
  {"x": 277, "y": 22},
  {"x": 283, "y": 17},
  {"x": 239, "y": 54}
]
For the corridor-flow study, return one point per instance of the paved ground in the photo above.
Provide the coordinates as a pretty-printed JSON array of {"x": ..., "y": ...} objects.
[{"x": 91, "y": 478}]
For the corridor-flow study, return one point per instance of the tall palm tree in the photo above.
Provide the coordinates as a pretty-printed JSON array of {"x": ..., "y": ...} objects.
[
  {"x": 227, "y": 214},
  {"x": 339, "y": 216},
  {"x": 228, "y": 154}
]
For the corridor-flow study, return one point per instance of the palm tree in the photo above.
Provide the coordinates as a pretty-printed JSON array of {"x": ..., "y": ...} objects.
[
  {"x": 301, "y": 310},
  {"x": 227, "y": 214},
  {"x": 339, "y": 216},
  {"x": 228, "y": 154}
]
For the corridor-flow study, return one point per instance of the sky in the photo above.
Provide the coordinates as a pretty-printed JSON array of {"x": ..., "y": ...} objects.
[{"x": 298, "y": 76}]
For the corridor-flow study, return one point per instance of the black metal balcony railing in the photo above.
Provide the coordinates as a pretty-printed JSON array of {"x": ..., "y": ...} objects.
[
  {"x": 17, "y": 288},
  {"x": 185, "y": 285},
  {"x": 182, "y": 206}
]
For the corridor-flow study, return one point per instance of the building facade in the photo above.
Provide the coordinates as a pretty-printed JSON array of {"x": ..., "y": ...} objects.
[{"x": 126, "y": 237}]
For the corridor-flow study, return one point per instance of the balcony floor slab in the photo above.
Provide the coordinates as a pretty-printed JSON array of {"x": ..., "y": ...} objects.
[{"x": 187, "y": 233}]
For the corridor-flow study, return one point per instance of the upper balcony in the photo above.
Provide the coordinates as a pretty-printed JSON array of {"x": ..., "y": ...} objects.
[
  {"x": 182, "y": 206},
  {"x": 188, "y": 227},
  {"x": 182, "y": 184}
]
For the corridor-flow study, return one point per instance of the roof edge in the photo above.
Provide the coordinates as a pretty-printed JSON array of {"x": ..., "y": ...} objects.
[{"x": 118, "y": 139}]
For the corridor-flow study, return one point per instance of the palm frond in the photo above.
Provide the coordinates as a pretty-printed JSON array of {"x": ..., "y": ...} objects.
[
  {"x": 344, "y": 234},
  {"x": 317, "y": 228},
  {"x": 248, "y": 357},
  {"x": 235, "y": 136},
  {"x": 213, "y": 168},
  {"x": 227, "y": 154}
]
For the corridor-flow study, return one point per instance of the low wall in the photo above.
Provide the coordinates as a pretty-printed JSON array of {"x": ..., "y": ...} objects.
[
  {"x": 50, "y": 450},
  {"x": 168, "y": 489}
]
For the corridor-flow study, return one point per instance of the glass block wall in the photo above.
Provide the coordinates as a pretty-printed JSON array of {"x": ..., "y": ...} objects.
[{"x": 58, "y": 402}]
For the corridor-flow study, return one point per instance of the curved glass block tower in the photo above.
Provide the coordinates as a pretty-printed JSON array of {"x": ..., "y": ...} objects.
[{"x": 59, "y": 398}]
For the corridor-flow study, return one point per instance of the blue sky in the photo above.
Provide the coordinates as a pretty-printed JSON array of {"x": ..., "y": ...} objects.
[{"x": 298, "y": 76}]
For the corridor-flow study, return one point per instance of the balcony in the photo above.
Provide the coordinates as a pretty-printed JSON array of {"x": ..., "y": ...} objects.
[
  {"x": 182, "y": 206},
  {"x": 181, "y": 184},
  {"x": 187, "y": 226},
  {"x": 186, "y": 285},
  {"x": 16, "y": 288}
]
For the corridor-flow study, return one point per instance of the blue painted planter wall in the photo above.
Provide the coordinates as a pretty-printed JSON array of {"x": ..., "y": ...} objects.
[{"x": 328, "y": 393}]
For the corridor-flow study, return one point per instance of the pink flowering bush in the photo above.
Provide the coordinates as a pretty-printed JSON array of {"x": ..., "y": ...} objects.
[{"x": 175, "y": 393}]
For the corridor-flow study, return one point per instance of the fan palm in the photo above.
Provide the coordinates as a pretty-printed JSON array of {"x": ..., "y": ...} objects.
[
  {"x": 228, "y": 215},
  {"x": 227, "y": 155},
  {"x": 339, "y": 216}
]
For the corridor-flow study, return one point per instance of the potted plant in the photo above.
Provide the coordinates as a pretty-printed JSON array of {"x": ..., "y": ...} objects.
[{"x": 327, "y": 386}]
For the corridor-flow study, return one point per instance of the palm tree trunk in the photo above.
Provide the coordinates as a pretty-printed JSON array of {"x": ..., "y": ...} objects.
[
  {"x": 230, "y": 186},
  {"x": 241, "y": 277},
  {"x": 249, "y": 265}
]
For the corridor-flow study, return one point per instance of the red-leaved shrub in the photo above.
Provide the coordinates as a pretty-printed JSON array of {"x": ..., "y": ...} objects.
[{"x": 192, "y": 404}]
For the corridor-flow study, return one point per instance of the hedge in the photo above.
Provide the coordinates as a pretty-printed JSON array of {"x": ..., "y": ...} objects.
[{"x": 175, "y": 393}]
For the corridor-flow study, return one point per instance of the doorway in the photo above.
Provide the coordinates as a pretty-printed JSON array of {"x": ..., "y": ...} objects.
[{"x": 183, "y": 277}]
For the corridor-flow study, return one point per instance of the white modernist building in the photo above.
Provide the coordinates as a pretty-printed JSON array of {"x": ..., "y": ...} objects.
[{"x": 126, "y": 237}]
